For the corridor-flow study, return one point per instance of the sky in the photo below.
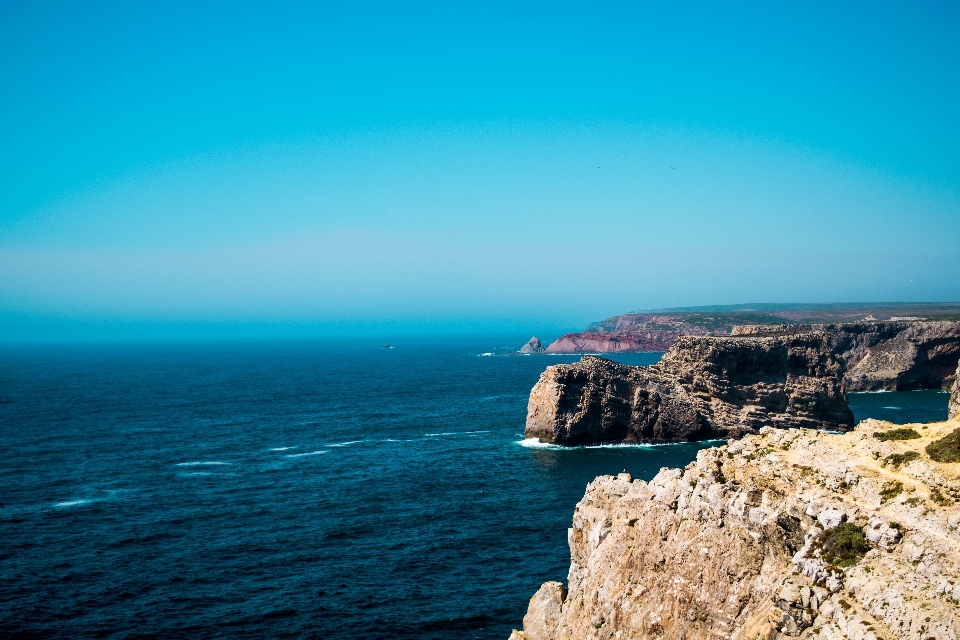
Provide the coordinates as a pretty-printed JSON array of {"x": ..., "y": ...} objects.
[{"x": 241, "y": 169}]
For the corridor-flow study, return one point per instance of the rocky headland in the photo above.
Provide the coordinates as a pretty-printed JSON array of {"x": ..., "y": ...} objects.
[
  {"x": 659, "y": 330},
  {"x": 533, "y": 346},
  {"x": 787, "y": 376},
  {"x": 788, "y": 533}
]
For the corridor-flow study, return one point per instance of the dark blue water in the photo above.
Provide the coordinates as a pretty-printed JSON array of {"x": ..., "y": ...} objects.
[{"x": 283, "y": 490}]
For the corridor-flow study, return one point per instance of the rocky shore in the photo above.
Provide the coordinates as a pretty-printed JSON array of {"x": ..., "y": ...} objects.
[
  {"x": 789, "y": 533},
  {"x": 787, "y": 376}
]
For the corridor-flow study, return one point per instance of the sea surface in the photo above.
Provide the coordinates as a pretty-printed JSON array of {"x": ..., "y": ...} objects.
[{"x": 313, "y": 490}]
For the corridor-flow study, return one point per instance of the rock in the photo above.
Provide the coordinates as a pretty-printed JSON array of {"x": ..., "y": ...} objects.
[
  {"x": 785, "y": 375},
  {"x": 533, "y": 346},
  {"x": 894, "y": 356},
  {"x": 702, "y": 388},
  {"x": 725, "y": 548},
  {"x": 955, "y": 395},
  {"x": 543, "y": 613}
]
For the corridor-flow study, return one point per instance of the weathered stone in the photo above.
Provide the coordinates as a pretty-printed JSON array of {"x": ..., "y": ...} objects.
[
  {"x": 955, "y": 396},
  {"x": 702, "y": 388},
  {"x": 533, "y": 346},
  {"x": 723, "y": 548}
]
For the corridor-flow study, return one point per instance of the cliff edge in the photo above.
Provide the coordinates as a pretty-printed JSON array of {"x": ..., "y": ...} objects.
[
  {"x": 703, "y": 388},
  {"x": 784, "y": 534}
]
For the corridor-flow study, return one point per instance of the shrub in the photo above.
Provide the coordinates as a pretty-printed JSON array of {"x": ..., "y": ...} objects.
[
  {"x": 896, "y": 434},
  {"x": 947, "y": 448},
  {"x": 891, "y": 490},
  {"x": 897, "y": 459},
  {"x": 842, "y": 546}
]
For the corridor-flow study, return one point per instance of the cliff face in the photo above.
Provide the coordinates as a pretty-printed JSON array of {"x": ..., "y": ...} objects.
[
  {"x": 894, "y": 356},
  {"x": 533, "y": 346},
  {"x": 702, "y": 388},
  {"x": 785, "y": 534},
  {"x": 954, "y": 407}
]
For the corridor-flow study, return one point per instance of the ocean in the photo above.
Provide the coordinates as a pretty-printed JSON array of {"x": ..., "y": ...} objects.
[{"x": 292, "y": 490}]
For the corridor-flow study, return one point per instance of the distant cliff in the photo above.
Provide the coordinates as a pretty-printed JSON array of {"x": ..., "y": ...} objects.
[
  {"x": 719, "y": 387},
  {"x": 785, "y": 534},
  {"x": 657, "y": 331}
]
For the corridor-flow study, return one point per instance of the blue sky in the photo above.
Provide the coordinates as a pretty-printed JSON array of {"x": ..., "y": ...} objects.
[{"x": 301, "y": 169}]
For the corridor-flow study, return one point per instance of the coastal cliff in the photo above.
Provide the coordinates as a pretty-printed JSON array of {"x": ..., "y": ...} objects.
[
  {"x": 784, "y": 534},
  {"x": 702, "y": 388},
  {"x": 892, "y": 356},
  {"x": 659, "y": 330},
  {"x": 954, "y": 405},
  {"x": 787, "y": 375}
]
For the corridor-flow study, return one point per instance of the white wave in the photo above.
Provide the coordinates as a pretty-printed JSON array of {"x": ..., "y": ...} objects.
[
  {"x": 343, "y": 444},
  {"x": 198, "y": 473},
  {"x": 879, "y": 391},
  {"x": 300, "y": 455},
  {"x": 453, "y": 433},
  {"x": 534, "y": 443},
  {"x": 486, "y": 354},
  {"x": 282, "y": 448},
  {"x": 72, "y": 503},
  {"x": 200, "y": 464},
  {"x": 896, "y": 408}
]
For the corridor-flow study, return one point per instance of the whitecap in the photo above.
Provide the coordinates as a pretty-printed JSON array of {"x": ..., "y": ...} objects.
[
  {"x": 343, "y": 444},
  {"x": 300, "y": 455},
  {"x": 895, "y": 408},
  {"x": 486, "y": 354},
  {"x": 282, "y": 448},
  {"x": 453, "y": 433},
  {"x": 200, "y": 464},
  {"x": 534, "y": 443},
  {"x": 72, "y": 503}
]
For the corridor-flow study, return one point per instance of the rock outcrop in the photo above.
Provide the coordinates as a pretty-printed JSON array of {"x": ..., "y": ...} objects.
[
  {"x": 717, "y": 387},
  {"x": 893, "y": 356},
  {"x": 784, "y": 534},
  {"x": 702, "y": 388},
  {"x": 533, "y": 346},
  {"x": 954, "y": 406},
  {"x": 659, "y": 330}
]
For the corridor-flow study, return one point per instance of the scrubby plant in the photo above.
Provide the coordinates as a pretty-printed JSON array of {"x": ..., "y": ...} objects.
[
  {"x": 947, "y": 448},
  {"x": 891, "y": 490},
  {"x": 939, "y": 498},
  {"x": 843, "y": 545},
  {"x": 896, "y": 434},
  {"x": 898, "y": 459}
]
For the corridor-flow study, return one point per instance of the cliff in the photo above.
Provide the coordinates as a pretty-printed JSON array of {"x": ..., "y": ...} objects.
[
  {"x": 787, "y": 375},
  {"x": 702, "y": 388},
  {"x": 954, "y": 405},
  {"x": 784, "y": 534},
  {"x": 895, "y": 356},
  {"x": 659, "y": 330}
]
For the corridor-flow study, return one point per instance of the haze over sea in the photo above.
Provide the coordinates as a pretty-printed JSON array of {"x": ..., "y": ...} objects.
[{"x": 278, "y": 490}]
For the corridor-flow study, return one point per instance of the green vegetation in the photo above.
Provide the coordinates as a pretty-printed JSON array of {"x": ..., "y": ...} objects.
[
  {"x": 896, "y": 434},
  {"x": 946, "y": 449},
  {"x": 891, "y": 490},
  {"x": 939, "y": 498},
  {"x": 898, "y": 459},
  {"x": 842, "y": 546}
]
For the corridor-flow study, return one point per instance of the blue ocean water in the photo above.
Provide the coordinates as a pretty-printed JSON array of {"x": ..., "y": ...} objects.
[{"x": 284, "y": 490}]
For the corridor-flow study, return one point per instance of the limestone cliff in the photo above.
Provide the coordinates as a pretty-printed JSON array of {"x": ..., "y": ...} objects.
[
  {"x": 785, "y": 534},
  {"x": 895, "y": 356},
  {"x": 702, "y": 388}
]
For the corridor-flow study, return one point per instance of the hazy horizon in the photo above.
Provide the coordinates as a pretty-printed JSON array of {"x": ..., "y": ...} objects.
[{"x": 175, "y": 171}]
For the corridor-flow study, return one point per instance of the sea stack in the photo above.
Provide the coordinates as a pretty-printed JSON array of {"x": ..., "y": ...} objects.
[{"x": 533, "y": 346}]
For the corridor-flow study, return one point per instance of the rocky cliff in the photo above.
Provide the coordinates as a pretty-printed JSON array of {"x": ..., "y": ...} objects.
[
  {"x": 659, "y": 330},
  {"x": 702, "y": 388},
  {"x": 954, "y": 406},
  {"x": 895, "y": 356},
  {"x": 785, "y": 534}
]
